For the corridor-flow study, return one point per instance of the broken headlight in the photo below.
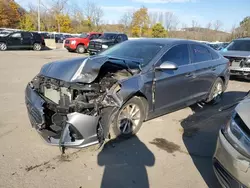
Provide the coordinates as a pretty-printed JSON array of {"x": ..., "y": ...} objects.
[{"x": 237, "y": 134}]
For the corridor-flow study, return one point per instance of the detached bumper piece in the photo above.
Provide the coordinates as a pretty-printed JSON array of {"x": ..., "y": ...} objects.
[
  {"x": 225, "y": 178},
  {"x": 63, "y": 129}
]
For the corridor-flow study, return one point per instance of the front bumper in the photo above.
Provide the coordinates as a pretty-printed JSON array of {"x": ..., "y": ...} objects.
[
  {"x": 70, "y": 47},
  {"x": 78, "y": 130},
  {"x": 231, "y": 168},
  {"x": 240, "y": 71}
]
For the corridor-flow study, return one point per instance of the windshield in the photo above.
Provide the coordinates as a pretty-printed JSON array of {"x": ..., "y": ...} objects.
[
  {"x": 84, "y": 35},
  {"x": 239, "y": 45},
  {"x": 135, "y": 49},
  {"x": 108, "y": 36}
]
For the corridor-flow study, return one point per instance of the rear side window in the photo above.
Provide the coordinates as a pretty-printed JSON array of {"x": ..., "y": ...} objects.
[
  {"x": 16, "y": 35},
  {"x": 201, "y": 53},
  {"x": 214, "y": 54},
  {"x": 178, "y": 54},
  {"x": 124, "y": 37},
  {"x": 119, "y": 38}
]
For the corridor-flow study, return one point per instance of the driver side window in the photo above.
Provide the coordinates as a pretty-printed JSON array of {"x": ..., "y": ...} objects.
[
  {"x": 16, "y": 35},
  {"x": 178, "y": 54}
]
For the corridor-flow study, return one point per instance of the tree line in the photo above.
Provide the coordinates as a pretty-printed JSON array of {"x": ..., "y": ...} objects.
[{"x": 63, "y": 16}]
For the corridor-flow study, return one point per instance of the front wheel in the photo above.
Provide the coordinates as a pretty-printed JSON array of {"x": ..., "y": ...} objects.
[
  {"x": 80, "y": 49},
  {"x": 129, "y": 118},
  {"x": 216, "y": 92},
  {"x": 3, "y": 46}
]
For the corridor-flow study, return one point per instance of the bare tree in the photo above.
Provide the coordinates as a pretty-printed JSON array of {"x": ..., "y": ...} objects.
[
  {"x": 126, "y": 21},
  {"x": 209, "y": 25},
  {"x": 153, "y": 18},
  {"x": 94, "y": 14},
  {"x": 194, "y": 24},
  {"x": 171, "y": 21},
  {"x": 160, "y": 20},
  {"x": 217, "y": 25}
]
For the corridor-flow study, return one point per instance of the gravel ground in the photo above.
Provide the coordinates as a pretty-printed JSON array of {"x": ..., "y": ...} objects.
[{"x": 174, "y": 150}]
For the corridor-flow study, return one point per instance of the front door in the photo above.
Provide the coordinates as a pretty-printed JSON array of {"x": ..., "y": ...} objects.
[
  {"x": 174, "y": 88},
  {"x": 15, "y": 40}
]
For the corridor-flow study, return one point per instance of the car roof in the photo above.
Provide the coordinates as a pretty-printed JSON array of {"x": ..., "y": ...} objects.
[
  {"x": 114, "y": 33},
  {"x": 169, "y": 41},
  {"x": 247, "y": 38}
]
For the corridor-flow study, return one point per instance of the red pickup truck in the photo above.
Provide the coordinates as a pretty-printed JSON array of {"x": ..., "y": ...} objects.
[{"x": 80, "y": 43}]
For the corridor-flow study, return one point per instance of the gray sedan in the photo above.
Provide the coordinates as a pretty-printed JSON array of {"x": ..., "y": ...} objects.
[
  {"x": 83, "y": 101},
  {"x": 232, "y": 156}
]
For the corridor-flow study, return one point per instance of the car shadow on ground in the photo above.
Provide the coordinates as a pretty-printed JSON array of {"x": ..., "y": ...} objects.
[
  {"x": 200, "y": 131},
  {"x": 239, "y": 79},
  {"x": 125, "y": 163}
]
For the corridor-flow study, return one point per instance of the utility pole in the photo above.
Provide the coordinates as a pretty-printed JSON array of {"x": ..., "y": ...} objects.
[{"x": 38, "y": 16}]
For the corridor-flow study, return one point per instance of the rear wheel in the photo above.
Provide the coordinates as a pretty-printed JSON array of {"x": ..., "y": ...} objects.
[
  {"x": 3, "y": 46},
  {"x": 129, "y": 119},
  {"x": 216, "y": 92},
  {"x": 80, "y": 49},
  {"x": 37, "y": 47}
]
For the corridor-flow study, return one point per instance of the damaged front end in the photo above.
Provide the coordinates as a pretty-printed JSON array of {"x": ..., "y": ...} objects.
[{"x": 73, "y": 113}]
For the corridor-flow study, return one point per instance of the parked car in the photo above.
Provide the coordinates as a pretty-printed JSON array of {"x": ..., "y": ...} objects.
[
  {"x": 22, "y": 39},
  {"x": 80, "y": 44},
  {"x": 231, "y": 160},
  {"x": 223, "y": 45},
  {"x": 238, "y": 52},
  {"x": 105, "y": 41},
  {"x": 83, "y": 101}
]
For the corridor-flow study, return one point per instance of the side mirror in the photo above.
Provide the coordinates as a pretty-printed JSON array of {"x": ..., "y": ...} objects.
[{"x": 167, "y": 65}]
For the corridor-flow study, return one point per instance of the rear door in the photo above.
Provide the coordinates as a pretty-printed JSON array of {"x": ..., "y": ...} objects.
[
  {"x": 175, "y": 88},
  {"x": 205, "y": 69},
  {"x": 14, "y": 40},
  {"x": 26, "y": 39}
]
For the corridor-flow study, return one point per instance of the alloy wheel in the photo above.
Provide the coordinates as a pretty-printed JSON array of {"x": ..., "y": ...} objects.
[
  {"x": 128, "y": 118},
  {"x": 217, "y": 91},
  {"x": 3, "y": 46},
  {"x": 37, "y": 47},
  {"x": 81, "y": 50}
]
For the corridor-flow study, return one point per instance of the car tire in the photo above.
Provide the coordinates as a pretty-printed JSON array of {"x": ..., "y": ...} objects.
[
  {"x": 129, "y": 119},
  {"x": 216, "y": 92},
  {"x": 3, "y": 46},
  {"x": 37, "y": 46},
  {"x": 80, "y": 49}
]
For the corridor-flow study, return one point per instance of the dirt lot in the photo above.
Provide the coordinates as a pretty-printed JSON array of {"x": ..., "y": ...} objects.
[{"x": 174, "y": 150}]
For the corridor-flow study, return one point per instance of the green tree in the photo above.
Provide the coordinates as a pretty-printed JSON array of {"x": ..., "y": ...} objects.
[
  {"x": 245, "y": 26},
  {"x": 158, "y": 31},
  {"x": 27, "y": 23},
  {"x": 63, "y": 23},
  {"x": 140, "y": 23}
]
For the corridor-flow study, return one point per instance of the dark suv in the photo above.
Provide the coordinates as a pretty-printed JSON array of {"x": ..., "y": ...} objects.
[
  {"x": 105, "y": 41},
  {"x": 22, "y": 39}
]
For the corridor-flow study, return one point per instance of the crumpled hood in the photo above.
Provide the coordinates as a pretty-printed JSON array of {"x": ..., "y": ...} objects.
[
  {"x": 243, "y": 109},
  {"x": 82, "y": 69},
  {"x": 235, "y": 53}
]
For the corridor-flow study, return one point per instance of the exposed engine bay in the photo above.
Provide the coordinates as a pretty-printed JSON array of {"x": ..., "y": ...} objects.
[
  {"x": 74, "y": 103},
  {"x": 239, "y": 62}
]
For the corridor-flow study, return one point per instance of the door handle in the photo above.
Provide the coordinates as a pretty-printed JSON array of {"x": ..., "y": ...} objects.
[
  {"x": 189, "y": 75},
  {"x": 213, "y": 68}
]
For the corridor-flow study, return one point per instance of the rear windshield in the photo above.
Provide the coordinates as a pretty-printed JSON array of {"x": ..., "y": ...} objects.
[
  {"x": 145, "y": 51},
  {"x": 239, "y": 45},
  {"x": 108, "y": 36},
  {"x": 84, "y": 35}
]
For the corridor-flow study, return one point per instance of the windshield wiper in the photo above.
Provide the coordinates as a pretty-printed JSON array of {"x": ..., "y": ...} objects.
[{"x": 124, "y": 60}]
